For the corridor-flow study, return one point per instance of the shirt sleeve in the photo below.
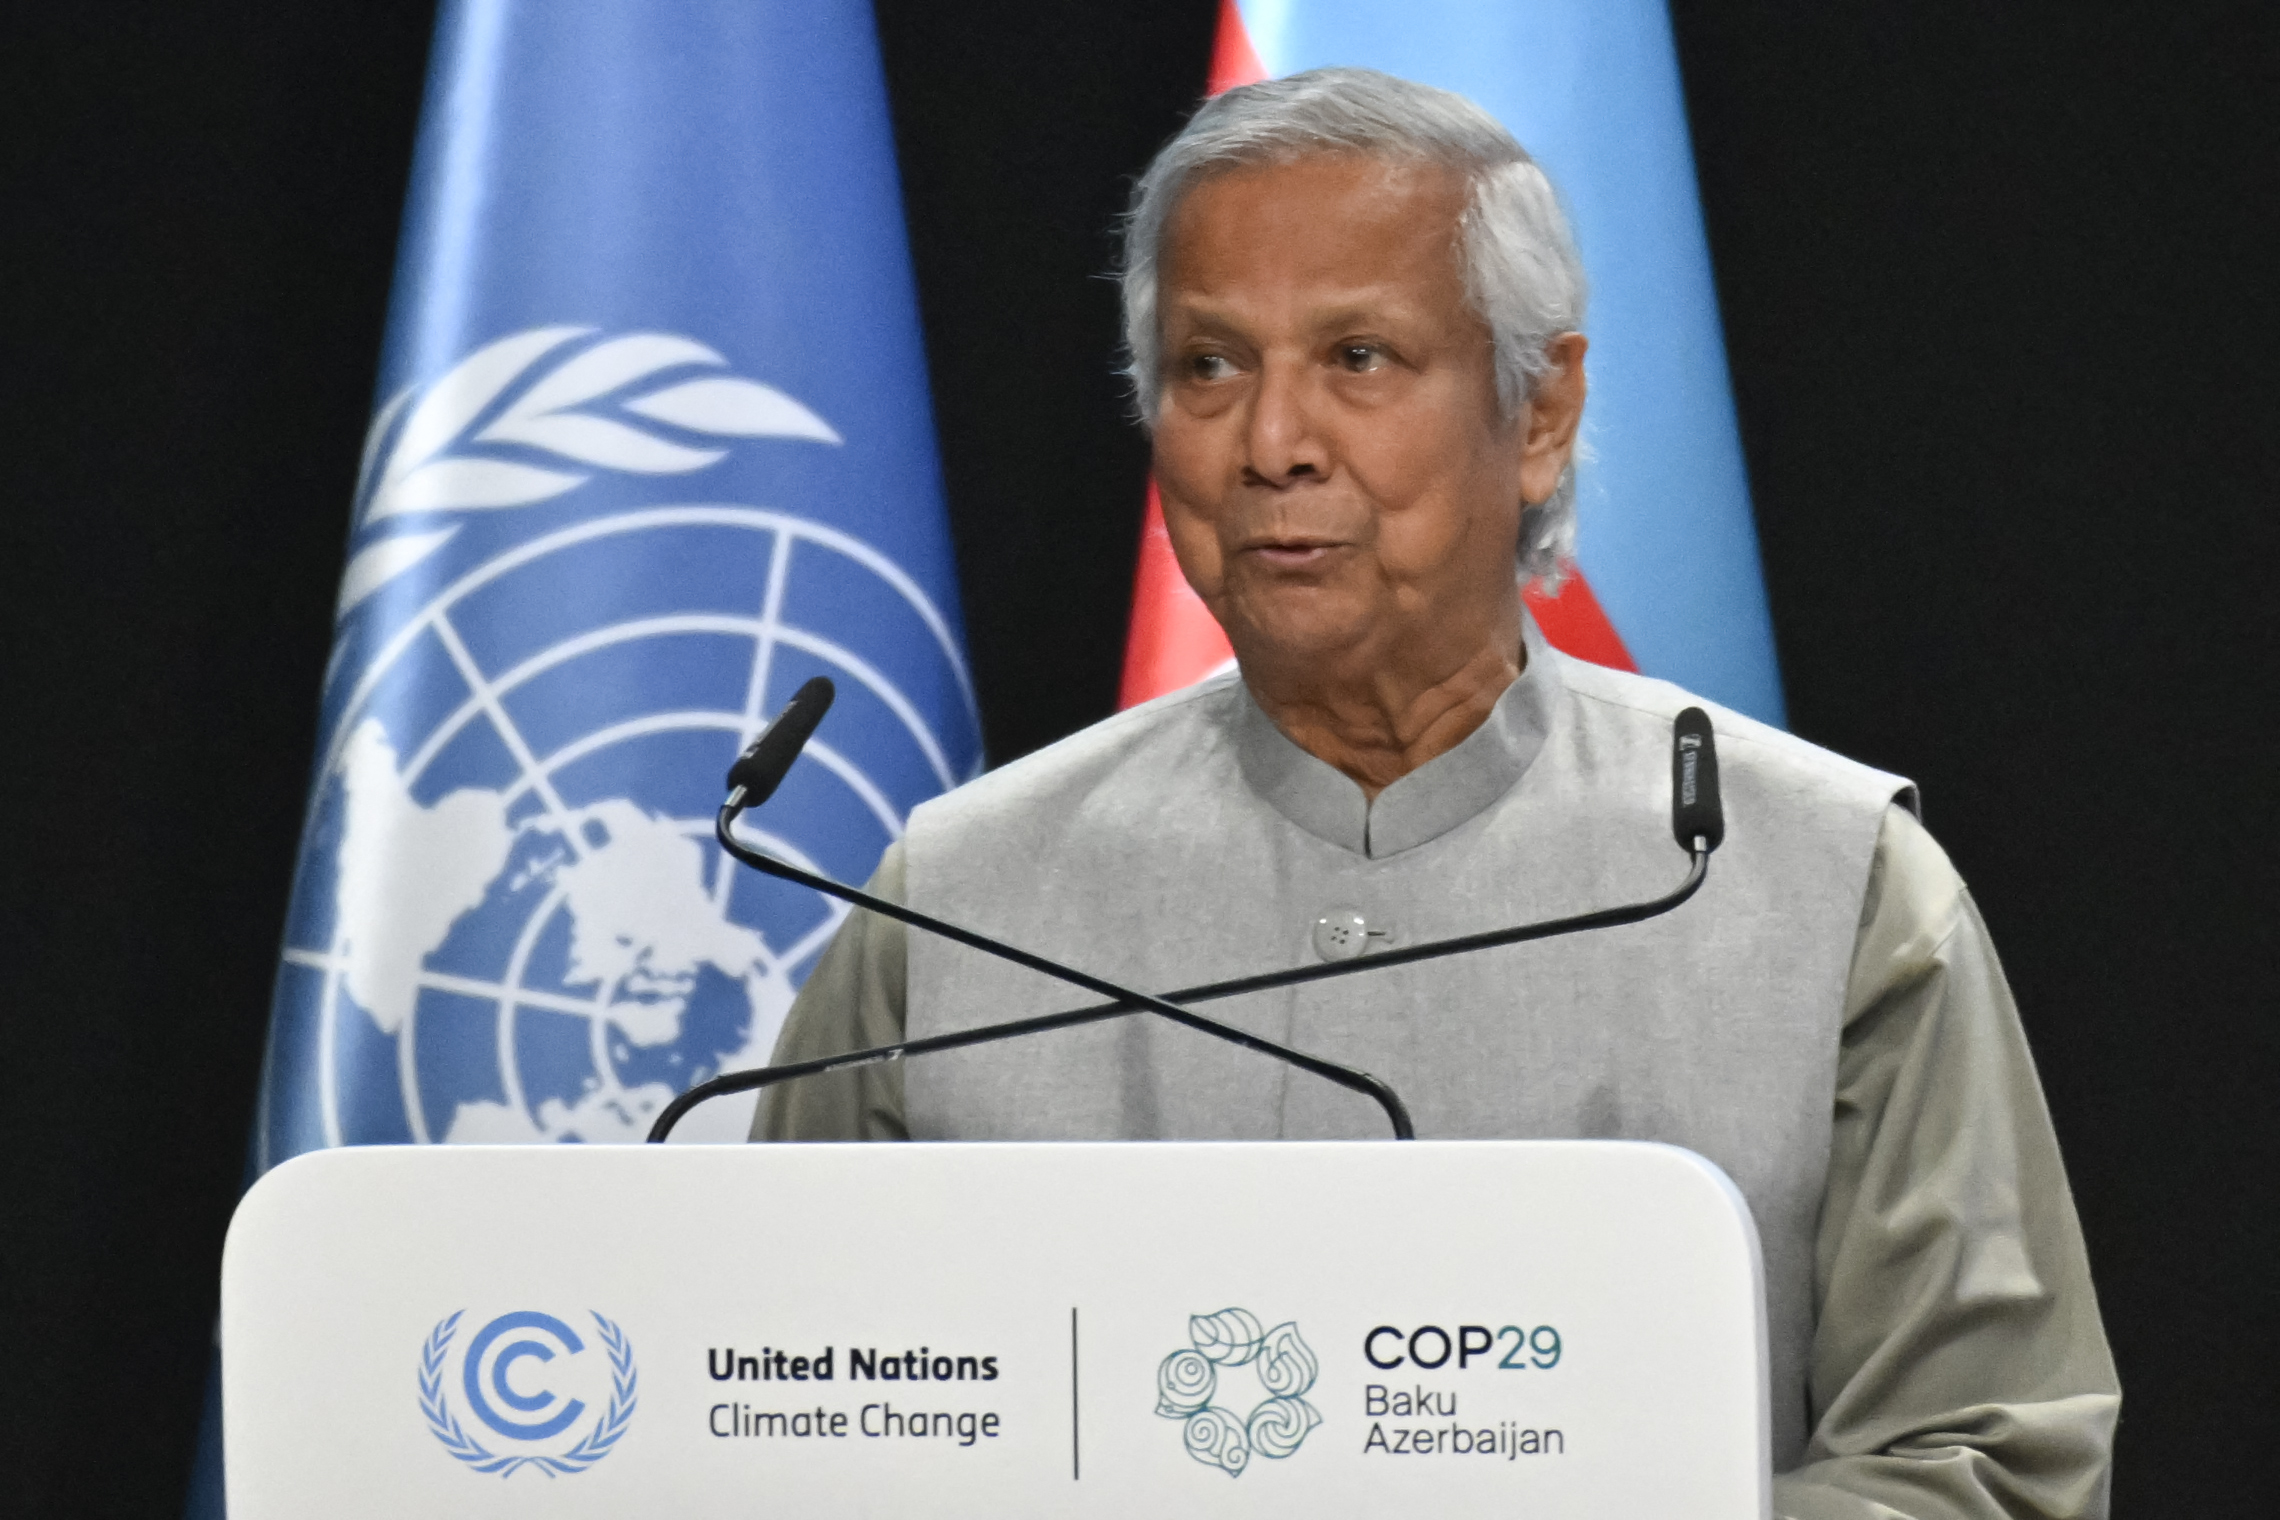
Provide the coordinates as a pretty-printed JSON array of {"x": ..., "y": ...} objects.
[
  {"x": 854, "y": 999},
  {"x": 1959, "y": 1368}
]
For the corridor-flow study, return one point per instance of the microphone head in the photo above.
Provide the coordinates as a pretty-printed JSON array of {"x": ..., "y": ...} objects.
[
  {"x": 1695, "y": 809},
  {"x": 768, "y": 759}
]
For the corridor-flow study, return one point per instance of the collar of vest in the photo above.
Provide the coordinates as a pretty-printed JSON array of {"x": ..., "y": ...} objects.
[{"x": 1436, "y": 797}]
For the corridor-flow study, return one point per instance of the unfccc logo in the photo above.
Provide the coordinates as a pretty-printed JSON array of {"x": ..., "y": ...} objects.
[{"x": 504, "y": 1376}]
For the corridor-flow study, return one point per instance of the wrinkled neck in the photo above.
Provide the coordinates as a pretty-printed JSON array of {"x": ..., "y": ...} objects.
[{"x": 1376, "y": 726}]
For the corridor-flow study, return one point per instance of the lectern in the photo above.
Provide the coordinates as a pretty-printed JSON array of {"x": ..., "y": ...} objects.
[{"x": 1435, "y": 1330}]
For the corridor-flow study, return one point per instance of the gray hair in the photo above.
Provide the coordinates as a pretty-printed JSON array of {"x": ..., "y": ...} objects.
[{"x": 1522, "y": 273}]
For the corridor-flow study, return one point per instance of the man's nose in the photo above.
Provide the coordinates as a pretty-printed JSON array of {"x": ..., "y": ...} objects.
[{"x": 1283, "y": 442}]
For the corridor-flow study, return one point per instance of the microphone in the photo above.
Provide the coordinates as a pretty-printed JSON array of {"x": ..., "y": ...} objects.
[
  {"x": 757, "y": 773},
  {"x": 1697, "y": 817},
  {"x": 1698, "y": 822}
]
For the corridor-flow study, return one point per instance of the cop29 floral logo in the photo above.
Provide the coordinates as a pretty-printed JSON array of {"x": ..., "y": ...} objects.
[
  {"x": 1191, "y": 1382},
  {"x": 532, "y": 1413}
]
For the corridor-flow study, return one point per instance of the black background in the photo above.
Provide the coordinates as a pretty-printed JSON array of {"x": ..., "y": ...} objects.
[{"x": 1999, "y": 304}]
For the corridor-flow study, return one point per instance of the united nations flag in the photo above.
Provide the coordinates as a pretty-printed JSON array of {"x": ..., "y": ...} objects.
[{"x": 651, "y": 449}]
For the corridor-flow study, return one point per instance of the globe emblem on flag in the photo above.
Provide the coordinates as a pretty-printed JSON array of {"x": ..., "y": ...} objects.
[{"x": 531, "y": 935}]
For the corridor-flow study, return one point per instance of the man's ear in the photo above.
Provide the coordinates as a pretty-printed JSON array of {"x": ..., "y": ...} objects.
[{"x": 1553, "y": 411}]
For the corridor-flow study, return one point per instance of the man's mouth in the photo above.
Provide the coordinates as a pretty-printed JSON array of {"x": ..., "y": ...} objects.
[{"x": 1293, "y": 553}]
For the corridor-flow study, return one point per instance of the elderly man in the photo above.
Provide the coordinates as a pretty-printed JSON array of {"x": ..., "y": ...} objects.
[{"x": 1353, "y": 308}]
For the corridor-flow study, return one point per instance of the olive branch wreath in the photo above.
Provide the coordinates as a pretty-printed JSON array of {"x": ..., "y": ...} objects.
[
  {"x": 624, "y": 1383},
  {"x": 471, "y": 442}
]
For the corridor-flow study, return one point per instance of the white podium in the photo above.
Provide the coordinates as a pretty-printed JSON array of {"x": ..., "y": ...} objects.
[{"x": 1441, "y": 1330}]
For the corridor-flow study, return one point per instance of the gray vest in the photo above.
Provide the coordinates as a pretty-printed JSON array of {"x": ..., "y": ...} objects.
[{"x": 1188, "y": 841}]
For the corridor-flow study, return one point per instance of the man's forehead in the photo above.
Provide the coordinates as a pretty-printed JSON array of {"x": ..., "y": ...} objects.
[
  {"x": 1351, "y": 230},
  {"x": 1309, "y": 186}
]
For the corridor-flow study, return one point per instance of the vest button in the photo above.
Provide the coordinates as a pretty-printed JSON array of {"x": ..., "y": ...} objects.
[{"x": 1344, "y": 935}]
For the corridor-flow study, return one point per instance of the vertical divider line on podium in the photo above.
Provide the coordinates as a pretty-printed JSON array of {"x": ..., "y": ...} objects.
[{"x": 1076, "y": 1422}]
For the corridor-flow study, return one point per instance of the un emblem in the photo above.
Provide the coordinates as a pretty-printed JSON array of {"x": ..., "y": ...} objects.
[
  {"x": 1188, "y": 1389},
  {"x": 511, "y": 923},
  {"x": 518, "y": 1409}
]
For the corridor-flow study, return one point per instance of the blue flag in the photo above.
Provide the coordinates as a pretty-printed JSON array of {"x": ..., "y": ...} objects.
[{"x": 653, "y": 447}]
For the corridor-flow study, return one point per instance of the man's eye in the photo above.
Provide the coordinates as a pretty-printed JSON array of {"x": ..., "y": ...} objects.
[
  {"x": 1210, "y": 367},
  {"x": 1359, "y": 357}
]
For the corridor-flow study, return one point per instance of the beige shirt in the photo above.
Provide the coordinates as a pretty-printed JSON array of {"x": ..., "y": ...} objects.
[{"x": 1958, "y": 1364}]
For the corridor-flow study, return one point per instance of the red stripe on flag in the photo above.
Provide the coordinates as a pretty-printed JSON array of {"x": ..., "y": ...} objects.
[
  {"x": 1574, "y": 623},
  {"x": 1175, "y": 641},
  {"x": 1233, "y": 60}
]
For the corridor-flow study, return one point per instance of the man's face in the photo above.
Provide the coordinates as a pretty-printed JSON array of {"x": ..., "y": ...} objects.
[{"x": 1340, "y": 485}]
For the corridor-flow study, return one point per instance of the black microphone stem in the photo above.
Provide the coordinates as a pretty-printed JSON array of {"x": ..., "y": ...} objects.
[
  {"x": 1378, "y": 960},
  {"x": 770, "y": 1076},
  {"x": 1126, "y": 1000}
]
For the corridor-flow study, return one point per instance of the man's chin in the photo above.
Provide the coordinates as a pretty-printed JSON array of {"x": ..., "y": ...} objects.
[{"x": 1296, "y": 634}]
